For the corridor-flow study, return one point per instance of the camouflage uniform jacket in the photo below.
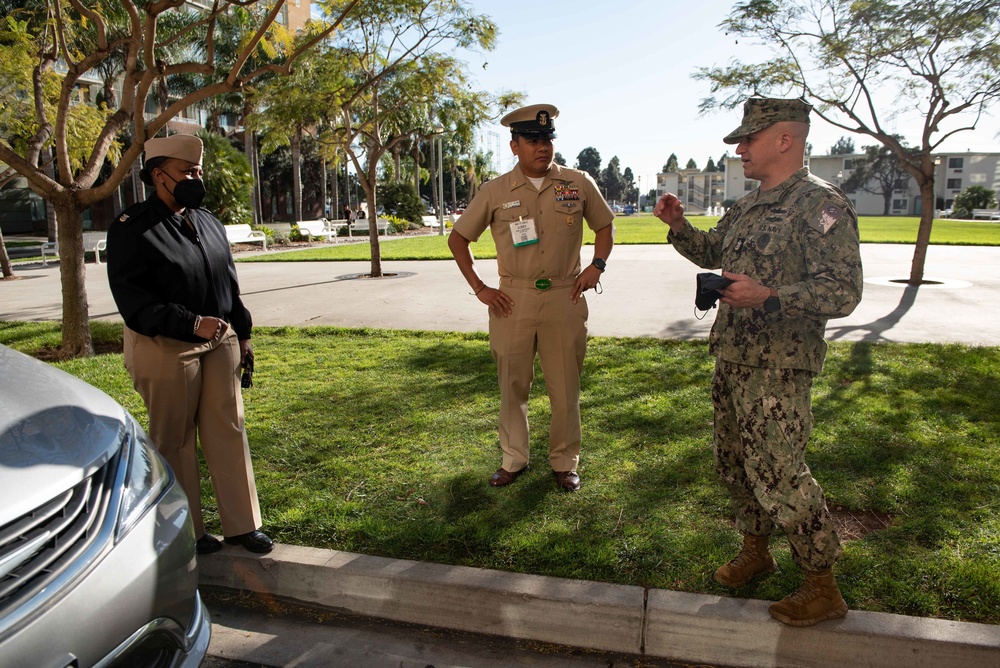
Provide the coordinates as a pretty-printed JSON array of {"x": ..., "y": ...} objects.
[{"x": 800, "y": 238}]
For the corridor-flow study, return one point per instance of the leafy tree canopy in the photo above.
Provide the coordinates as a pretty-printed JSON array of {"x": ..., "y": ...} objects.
[
  {"x": 589, "y": 160},
  {"x": 844, "y": 146},
  {"x": 613, "y": 181},
  {"x": 878, "y": 172},
  {"x": 228, "y": 179},
  {"x": 859, "y": 63},
  {"x": 974, "y": 197}
]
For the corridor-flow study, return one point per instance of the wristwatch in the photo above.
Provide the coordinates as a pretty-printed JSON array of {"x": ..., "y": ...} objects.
[
  {"x": 600, "y": 263},
  {"x": 772, "y": 304}
]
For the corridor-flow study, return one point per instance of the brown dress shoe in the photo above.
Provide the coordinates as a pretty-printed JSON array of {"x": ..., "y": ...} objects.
[
  {"x": 503, "y": 477},
  {"x": 568, "y": 481}
]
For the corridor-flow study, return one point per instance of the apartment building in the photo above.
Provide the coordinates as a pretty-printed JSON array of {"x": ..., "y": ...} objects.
[{"x": 703, "y": 192}]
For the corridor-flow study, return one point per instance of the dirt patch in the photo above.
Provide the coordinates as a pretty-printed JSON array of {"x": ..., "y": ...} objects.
[
  {"x": 856, "y": 524},
  {"x": 49, "y": 354}
]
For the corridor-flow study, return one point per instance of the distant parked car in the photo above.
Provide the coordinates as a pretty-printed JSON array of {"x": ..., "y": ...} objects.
[{"x": 97, "y": 549}]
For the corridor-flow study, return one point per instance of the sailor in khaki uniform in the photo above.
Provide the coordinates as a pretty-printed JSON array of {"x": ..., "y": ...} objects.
[
  {"x": 536, "y": 214},
  {"x": 187, "y": 335}
]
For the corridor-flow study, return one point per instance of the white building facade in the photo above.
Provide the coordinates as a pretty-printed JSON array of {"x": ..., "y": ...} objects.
[{"x": 702, "y": 192}]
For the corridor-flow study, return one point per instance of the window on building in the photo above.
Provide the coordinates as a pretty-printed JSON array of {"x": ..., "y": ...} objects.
[
  {"x": 848, "y": 164},
  {"x": 899, "y": 204},
  {"x": 954, "y": 184},
  {"x": 748, "y": 186},
  {"x": 955, "y": 163}
]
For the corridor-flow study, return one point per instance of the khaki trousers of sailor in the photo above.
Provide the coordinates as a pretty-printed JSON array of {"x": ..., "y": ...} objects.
[
  {"x": 192, "y": 394},
  {"x": 546, "y": 323}
]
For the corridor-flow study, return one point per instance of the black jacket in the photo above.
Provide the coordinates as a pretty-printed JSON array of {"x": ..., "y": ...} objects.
[{"x": 163, "y": 273}]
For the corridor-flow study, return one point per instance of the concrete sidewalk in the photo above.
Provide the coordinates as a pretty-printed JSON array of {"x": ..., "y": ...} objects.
[
  {"x": 648, "y": 291},
  {"x": 606, "y": 617}
]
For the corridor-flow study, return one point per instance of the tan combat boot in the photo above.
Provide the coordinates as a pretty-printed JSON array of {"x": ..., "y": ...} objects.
[
  {"x": 818, "y": 599},
  {"x": 753, "y": 560}
]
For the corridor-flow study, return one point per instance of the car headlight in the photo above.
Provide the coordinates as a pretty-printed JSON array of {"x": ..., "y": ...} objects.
[{"x": 146, "y": 477}]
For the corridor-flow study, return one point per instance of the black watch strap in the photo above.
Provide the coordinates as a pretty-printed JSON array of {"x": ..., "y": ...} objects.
[{"x": 600, "y": 263}]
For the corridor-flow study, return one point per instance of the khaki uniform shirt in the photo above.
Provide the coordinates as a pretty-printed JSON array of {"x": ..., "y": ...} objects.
[
  {"x": 566, "y": 198},
  {"x": 800, "y": 238}
]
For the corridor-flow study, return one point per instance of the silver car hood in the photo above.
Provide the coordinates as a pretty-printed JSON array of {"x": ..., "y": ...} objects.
[{"x": 55, "y": 430}]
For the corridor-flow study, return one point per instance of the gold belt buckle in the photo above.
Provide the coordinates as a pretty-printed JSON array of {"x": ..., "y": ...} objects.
[{"x": 543, "y": 284}]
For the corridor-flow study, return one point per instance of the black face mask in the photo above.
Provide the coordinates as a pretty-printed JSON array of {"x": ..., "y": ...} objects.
[{"x": 189, "y": 193}]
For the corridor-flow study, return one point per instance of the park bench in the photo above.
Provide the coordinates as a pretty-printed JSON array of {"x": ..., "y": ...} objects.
[
  {"x": 244, "y": 234},
  {"x": 94, "y": 242},
  {"x": 319, "y": 229},
  {"x": 988, "y": 214},
  {"x": 360, "y": 226}
]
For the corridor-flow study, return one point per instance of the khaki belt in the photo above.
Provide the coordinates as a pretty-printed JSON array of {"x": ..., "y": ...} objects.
[{"x": 538, "y": 283}]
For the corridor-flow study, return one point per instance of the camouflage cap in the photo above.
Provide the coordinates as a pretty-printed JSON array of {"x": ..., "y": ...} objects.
[{"x": 762, "y": 112}]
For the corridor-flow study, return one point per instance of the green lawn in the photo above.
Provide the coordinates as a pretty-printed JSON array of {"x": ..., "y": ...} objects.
[
  {"x": 642, "y": 229},
  {"x": 381, "y": 442}
]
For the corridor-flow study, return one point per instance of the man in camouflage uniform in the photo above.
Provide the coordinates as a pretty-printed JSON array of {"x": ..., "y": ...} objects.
[{"x": 791, "y": 249}]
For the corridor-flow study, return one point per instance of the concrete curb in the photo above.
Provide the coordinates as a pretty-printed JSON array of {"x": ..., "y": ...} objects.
[{"x": 619, "y": 618}]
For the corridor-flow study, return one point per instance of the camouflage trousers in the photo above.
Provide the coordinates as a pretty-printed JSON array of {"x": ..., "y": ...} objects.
[{"x": 763, "y": 418}]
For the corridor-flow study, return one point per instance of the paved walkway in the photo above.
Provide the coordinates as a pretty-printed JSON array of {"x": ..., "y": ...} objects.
[{"x": 648, "y": 291}]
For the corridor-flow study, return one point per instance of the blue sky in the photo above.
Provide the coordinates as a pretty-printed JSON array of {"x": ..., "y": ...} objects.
[{"x": 620, "y": 73}]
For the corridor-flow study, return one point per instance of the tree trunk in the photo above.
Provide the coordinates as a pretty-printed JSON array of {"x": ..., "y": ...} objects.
[
  {"x": 137, "y": 185},
  {"x": 335, "y": 211},
  {"x": 434, "y": 181},
  {"x": 297, "y": 174},
  {"x": 76, "y": 340},
  {"x": 369, "y": 186},
  {"x": 454, "y": 188},
  {"x": 322, "y": 187},
  {"x": 117, "y": 204},
  {"x": 248, "y": 149},
  {"x": 416, "y": 165},
  {"x": 924, "y": 231},
  {"x": 8, "y": 271},
  {"x": 886, "y": 201},
  {"x": 51, "y": 218}
]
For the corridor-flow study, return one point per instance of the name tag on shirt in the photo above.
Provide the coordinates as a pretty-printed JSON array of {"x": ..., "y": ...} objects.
[{"x": 523, "y": 232}]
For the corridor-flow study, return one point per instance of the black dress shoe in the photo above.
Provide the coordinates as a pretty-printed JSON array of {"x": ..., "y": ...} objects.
[
  {"x": 255, "y": 541},
  {"x": 208, "y": 544}
]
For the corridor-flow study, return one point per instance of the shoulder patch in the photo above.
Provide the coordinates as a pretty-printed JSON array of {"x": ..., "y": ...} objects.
[
  {"x": 826, "y": 218},
  {"x": 122, "y": 218}
]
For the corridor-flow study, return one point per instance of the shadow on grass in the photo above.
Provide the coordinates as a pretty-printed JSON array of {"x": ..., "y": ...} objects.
[{"x": 382, "y": 443}]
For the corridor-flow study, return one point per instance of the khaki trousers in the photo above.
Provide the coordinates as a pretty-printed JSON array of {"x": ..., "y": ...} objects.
[
  {"x": 545, "y": 322},
  {"x": 192, "y": 393}
]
